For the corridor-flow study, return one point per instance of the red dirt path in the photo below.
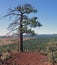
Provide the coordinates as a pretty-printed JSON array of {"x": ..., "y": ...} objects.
[{"x": 28, "y": 58}]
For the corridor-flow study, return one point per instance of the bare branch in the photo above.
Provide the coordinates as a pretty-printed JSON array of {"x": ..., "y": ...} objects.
[{"x": 11, "y": 31}]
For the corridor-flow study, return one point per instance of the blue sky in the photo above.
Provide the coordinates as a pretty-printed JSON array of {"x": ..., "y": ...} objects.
[{"x": 47, "y": 14}]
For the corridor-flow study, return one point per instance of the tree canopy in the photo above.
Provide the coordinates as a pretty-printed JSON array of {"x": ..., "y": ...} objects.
[{"x": 22, "y": 22}]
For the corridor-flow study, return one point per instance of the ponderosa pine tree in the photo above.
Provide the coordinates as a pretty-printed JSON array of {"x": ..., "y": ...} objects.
[{"x": 22, "y": 22}]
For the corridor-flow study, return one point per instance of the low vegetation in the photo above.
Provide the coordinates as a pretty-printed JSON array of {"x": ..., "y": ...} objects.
[{"x": 41, "y": 44}]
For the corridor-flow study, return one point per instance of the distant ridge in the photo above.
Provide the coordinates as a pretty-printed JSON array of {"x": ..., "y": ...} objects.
[{"x": 31, "y": 36}]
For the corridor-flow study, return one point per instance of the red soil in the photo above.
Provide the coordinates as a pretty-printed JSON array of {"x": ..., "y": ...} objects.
[{"x": 28, "y": 58}]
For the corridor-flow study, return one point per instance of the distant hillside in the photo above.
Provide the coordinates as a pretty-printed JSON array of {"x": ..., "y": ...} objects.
[
  {"x": 12, "y": 39},
  {"x": 37, "y": 35}
]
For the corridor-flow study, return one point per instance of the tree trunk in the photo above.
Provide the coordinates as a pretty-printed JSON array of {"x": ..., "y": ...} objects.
[
  {"x": 52, "y": 58},
  {"x": 21, "y": 33}
]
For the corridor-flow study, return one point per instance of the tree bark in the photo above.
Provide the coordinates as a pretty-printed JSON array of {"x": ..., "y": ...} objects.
[
  {"x": 21, "y": 33},
  {"x": 52, "y": 58}
]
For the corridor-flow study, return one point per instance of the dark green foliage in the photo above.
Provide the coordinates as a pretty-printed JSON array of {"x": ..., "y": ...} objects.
[{"x": 33, "y": 45}]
